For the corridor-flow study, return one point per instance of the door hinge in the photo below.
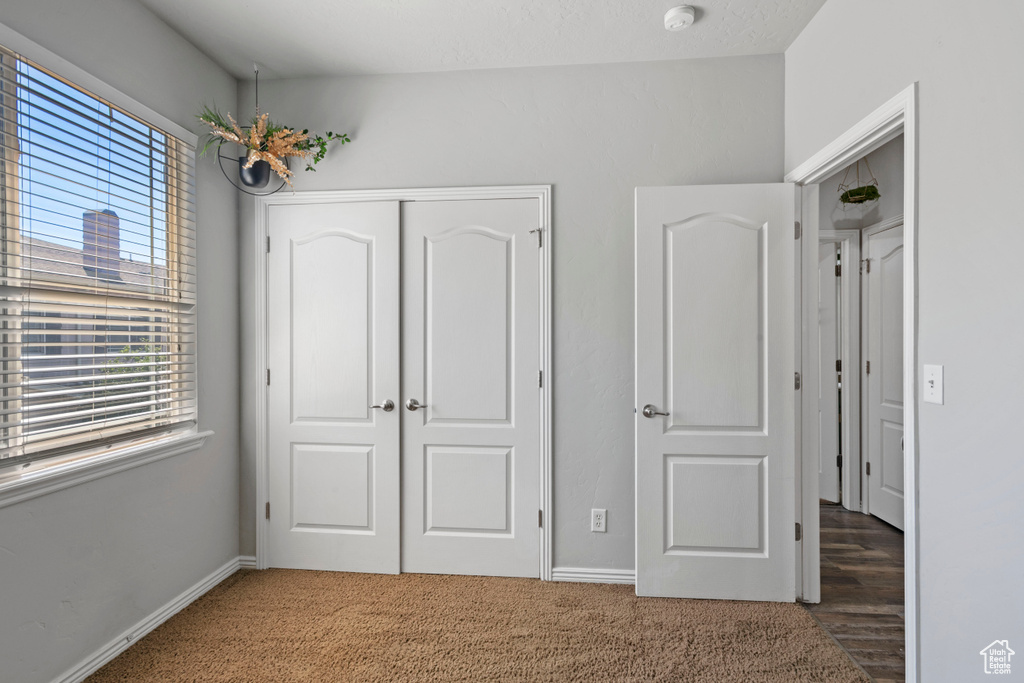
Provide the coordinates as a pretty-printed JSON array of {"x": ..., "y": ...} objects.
[
  {"x": 540, "y": 378},
  {"x": 268, "y": 377},
  {"x": 268, "y": 244},
  {"x": 839, "y": 365},
  {"x": 839, "y": 271},
  {"x": 796, "y": 230},
  {"x": 796, "y": 380},
  {"x": 799, "y": 532},
  {"x": 540, "y": 518},
  {"x": 268, "y": 509},
  {"x": 867, "y": 469},
  {"x": 867, "y": 367},
  {"x": 839, "y": 460},
  {"x": 540, "y": 237},
  {"x": 867, "y": 265}
]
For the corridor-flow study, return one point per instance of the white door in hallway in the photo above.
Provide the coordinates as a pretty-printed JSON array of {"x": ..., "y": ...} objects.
[
  {"x": 883, "y": 383},
  {"x": 715, "y": 395},
  {"x": 334, "y": 353},
  {"x": 828, "y": 383},
  {"x": 471, "y": 354}
]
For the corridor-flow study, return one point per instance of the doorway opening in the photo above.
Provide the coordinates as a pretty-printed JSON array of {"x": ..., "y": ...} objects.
[
  {"x": 859, "y": 341},
  {"x": 860, "y": 417},
  {"x": 894, "y": 118}
]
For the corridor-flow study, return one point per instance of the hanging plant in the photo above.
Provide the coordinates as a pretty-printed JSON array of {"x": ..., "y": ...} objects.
[
  {"x": 859, "y": 194},
  {"x": 267, "y": 141}
]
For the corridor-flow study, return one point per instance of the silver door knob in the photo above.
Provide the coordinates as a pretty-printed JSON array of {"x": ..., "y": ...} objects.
[
  {"x": 413, "y": 404},
  {"x": 387, "y": 406},
  {"x": 650, "y": 411}
]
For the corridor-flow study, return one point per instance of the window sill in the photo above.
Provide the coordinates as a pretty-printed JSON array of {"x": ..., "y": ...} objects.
[{"x": 17, "y": 488}]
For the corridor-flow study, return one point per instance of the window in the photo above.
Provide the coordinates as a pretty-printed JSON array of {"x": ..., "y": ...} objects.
[{"x": 97, "y": 271}]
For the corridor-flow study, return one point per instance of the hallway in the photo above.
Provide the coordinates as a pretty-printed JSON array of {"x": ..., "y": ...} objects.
[{"x": 862, "y": 602}]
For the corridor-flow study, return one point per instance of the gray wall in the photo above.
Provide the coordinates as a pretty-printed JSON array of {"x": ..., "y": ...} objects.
[
  {"x": 80, "y": 566},
  {"x": 971, "y": 143},
  {"x": 594, "y": 133}
]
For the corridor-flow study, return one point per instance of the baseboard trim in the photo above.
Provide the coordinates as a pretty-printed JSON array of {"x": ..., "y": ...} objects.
[
  {"x": 587, "y": 575},
  {"x": 128, "y": 638},
  {"x": 247, "y": 562}
]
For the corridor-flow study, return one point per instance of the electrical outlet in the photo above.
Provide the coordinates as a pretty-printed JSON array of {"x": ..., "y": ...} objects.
[{"x": 599, "y": 520}]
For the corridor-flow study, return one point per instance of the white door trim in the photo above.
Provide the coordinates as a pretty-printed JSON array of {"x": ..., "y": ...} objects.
[
  {"x": 881, "y": 226},
  {"x": 898, "y": 115},
  {"x": 262, "y": 226},
  {"x": 849, "y": 345}
]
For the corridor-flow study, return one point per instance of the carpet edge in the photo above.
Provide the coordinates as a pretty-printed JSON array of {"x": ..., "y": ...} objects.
[{"x": 836, "y": 641}]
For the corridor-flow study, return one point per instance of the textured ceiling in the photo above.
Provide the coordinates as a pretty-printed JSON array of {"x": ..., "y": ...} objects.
[{"x": 290, "y": 38}]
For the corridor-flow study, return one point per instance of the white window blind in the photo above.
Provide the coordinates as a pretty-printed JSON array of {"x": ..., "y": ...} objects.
[{"x": 97, "y": 270}]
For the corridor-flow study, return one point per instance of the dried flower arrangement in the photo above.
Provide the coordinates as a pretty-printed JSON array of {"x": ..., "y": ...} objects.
[{"x": 267, "y": 141}]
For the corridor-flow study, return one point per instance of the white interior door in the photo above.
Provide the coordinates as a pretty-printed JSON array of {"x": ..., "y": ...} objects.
[
  {"x": 828, "y": 384},
  {"x": 471, "y": 357},
  {"x": 883, "y": 382},
  {"x": 333, "y": 350},
  {"x": 715, "y": 424}
]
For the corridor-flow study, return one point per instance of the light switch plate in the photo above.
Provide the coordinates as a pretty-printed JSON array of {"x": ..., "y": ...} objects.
[{"x": 933, "y": 384}]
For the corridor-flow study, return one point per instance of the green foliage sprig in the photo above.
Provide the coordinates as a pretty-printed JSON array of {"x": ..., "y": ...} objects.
[{"x": 317, "y": 144}]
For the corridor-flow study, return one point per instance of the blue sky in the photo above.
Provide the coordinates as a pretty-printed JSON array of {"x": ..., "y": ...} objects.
[{"x": 79, "y": 154}]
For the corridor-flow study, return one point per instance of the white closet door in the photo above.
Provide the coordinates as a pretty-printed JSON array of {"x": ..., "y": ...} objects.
[
  {"x": 715, "y": 422},
  {"x": 334, "y": 460},
  {"x": 883, "y": 410},
  {"x": 470, "y": 357}
]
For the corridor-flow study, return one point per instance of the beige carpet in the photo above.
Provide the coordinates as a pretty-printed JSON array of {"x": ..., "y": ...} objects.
[{"x": 283, "y": 625}]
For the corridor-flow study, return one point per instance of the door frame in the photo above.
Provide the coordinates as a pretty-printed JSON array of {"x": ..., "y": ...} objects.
[
  {"x": 898, "y": 115},
  {"x": 260, "y": 368},
  {"x": 849, "y": 345}
]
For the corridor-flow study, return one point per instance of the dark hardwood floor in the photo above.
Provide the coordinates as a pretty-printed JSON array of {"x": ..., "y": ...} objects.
[{"x": 862, "y": 589}]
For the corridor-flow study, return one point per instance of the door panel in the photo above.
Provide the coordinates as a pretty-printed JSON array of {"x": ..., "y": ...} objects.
[
  {"x": 332, "y": 487},
  {"x": 333, "y": 349},
  {"x": 715, "y": 351},
  {"x": 471, "y": 354},
  {"x": 714, "y": 504},
  {"x": 468, "y": 283},
  {"x": 828, "y": 354},
  {"x": 330, "y": 310},
  {"x": 451, "y": 507},
  {"x": 884, "y": 383},
  {"x": 713, "y": 267}
]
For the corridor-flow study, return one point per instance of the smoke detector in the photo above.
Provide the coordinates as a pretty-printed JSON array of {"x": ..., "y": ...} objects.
[{"x": 678, "y": 18}]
